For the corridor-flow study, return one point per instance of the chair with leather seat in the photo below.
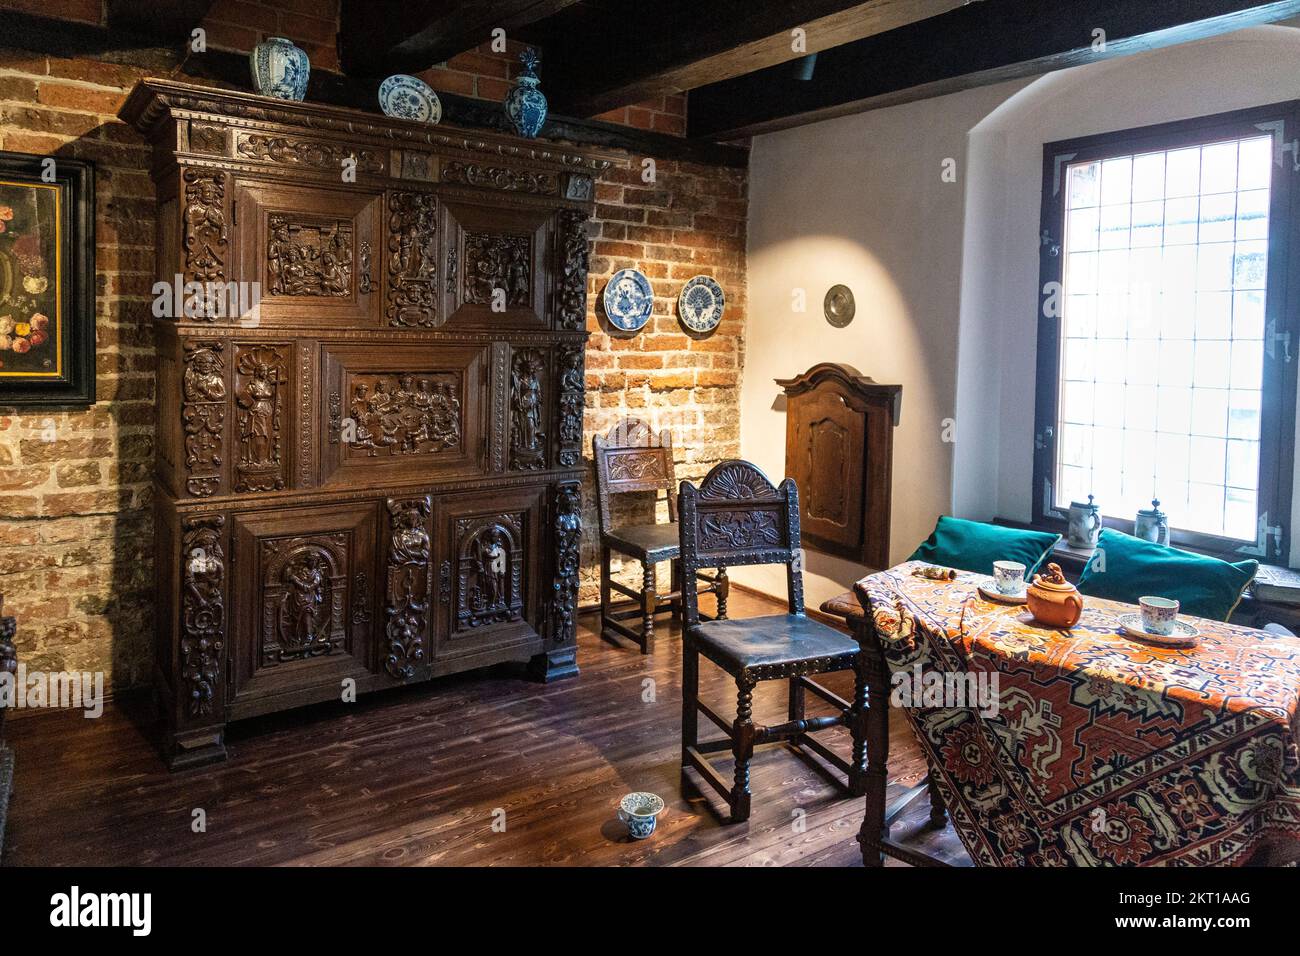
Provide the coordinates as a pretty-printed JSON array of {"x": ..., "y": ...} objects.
[
  {"x": 737, "y": 517},
  {"x": 631, "y": 458}
]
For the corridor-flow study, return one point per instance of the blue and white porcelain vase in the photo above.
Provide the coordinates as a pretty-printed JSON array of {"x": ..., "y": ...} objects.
[
  {"x": 526, "y": 104},
  {"x": 280, "y": 69}
]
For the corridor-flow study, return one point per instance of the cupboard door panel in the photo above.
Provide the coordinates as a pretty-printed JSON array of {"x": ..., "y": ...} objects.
[
  {"x": 489, "y": 568},
  {"x": 404, "y": 411},
  {"x": 304, "y": 594},
  {"x": 313, "y": 251},
  {"x": 496, "y": 275}
]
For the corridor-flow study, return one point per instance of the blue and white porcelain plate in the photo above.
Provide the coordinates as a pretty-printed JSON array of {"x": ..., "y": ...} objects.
[
  {"x": 409, "y": 98},
  {"x": 628, "y": 300},
  {"x": 700, "y": 304}
]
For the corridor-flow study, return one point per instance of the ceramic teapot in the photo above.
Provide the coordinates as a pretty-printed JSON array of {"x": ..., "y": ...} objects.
[{"x": 1053, "y": 600}]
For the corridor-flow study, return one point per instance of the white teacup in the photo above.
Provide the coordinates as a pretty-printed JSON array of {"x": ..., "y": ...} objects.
[
  {"x": 1158, "y": 614},
  {"x": 1009, "y": 577}
]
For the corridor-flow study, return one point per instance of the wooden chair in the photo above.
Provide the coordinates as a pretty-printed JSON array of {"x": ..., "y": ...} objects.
[
  {"x": 737, "y": 517},
  {"x": 631, "y": 458}
]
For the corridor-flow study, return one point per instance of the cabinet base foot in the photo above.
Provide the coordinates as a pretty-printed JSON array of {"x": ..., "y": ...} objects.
[
  {"x": 554, "y": 665},
  {"x": 195, "y": 749}
]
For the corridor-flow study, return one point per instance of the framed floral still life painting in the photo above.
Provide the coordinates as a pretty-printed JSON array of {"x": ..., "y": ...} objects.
[{"x": 47, "y": 276}]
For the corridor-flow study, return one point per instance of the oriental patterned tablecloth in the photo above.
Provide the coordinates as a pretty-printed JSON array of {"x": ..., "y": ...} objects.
[{"x": 1100, "y": 750}]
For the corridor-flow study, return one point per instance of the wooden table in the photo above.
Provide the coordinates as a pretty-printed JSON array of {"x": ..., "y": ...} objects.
[{"x": 1102, "y": 750}]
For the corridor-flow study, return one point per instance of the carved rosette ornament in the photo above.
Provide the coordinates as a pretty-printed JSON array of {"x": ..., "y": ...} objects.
[
  {"x": 260, "y": 375},
  {"x": 568, "y": 541},
  {"x": 205, "y": 235},
  {"x": 203, "y": 416},
  {"x": 412, "y": 259},
  {"x": 572, "y": 384},
  {"x": 410, "y": 585},
  {"x": 571, "y": 289},
  {"x": 527, "y": 439},
  {"x": 203, "y": 613}
]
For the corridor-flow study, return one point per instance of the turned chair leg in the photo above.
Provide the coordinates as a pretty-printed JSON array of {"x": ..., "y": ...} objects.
[
  {"x": 690, "y": 694},
  {"x": 938, "y": 812},
  {"x": 723, "y": 585},
  {"x": 676, "y": 571},
  {"x": 604, "y": 587},
  {"x": 796, "y": 708},
  {"x": 742, "y": 747},
  {"x": 649, "y": 601},
  {"x": 858, "y": 730}
]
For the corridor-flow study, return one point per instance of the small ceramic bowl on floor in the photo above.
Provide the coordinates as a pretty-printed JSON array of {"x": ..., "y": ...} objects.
[{"x": 640, "y": 812}]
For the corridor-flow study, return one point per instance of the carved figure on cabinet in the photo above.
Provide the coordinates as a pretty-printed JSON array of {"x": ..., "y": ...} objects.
[
  {"x": 490, "y": 569},
  {"x": 203, "y": 381},
  {"x": 257, "y": 418},
  {"x": 410, "y": 545},
  {"x": 304, "y": 607},
  {"x": 528, "y": 441}
]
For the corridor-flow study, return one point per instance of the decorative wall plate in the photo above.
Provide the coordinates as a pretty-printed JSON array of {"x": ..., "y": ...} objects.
[
  {"x": 409, "y": 98},
  {"x": 839, "y": 306},
  {"x": 629, "y": 299},
  {"x": 700, "y": 304}
]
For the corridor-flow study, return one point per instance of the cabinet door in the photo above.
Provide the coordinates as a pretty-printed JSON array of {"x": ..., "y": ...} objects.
[
  {"x": 496, "y": 266},
  {"x": 824, "y": 439},
  {"x": 304, "y": 588},
  {"x": 489, "y": 552},
  {"x": 401, "y": 412},
  {"x": 313, "y": 251}
]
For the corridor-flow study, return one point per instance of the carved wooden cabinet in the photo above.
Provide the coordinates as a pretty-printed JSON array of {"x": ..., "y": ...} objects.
[
  {"x": 839, "y": 449},
  {"x": 370, "y": 396}
]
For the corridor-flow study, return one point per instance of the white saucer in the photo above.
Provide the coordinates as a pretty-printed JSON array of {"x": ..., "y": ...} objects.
[
  {"x": 997, "y": 597},
  {"x": 1184, "y": 635}
]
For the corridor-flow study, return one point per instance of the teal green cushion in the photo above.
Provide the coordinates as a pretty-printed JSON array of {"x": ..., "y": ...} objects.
[
  {"x": 1125, "y": 568},
  {"x": 974, "y": 546}
]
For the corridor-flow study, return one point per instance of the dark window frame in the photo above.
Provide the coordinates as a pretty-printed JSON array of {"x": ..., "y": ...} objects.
[{"x": 1282, "y": 302}]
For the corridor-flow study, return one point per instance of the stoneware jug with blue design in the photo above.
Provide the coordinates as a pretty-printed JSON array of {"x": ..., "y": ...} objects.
[
  {"x": 280, "y": 69},
  {"x": 526, "y": 104}
]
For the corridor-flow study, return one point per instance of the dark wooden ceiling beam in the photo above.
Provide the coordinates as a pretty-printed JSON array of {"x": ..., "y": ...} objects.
[
  {"x": 169, "y": 21},
  {"x": 407, "y": 36},
  {"x": 976, "y": 45},
  {"x": 675, "y": 45}
]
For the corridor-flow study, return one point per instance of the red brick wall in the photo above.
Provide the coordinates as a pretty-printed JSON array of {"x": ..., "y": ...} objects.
[{"x": 75, "y": 534}]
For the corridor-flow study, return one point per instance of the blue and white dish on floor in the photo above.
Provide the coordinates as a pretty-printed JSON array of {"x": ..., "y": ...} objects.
[
  {"x": 640, "y": 812},
  {"x": 409, "y": 98},
  {"x": 1183, "y": 634},
  {"x": 629, "y": 299},
  {"x": 700, "y": 304},
  {"x": 279, "y": 69}
]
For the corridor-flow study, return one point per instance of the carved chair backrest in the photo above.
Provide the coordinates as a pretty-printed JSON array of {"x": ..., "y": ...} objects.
[
  {"x": 631, "y": 457},
  {"x": 736, "y": 516}
]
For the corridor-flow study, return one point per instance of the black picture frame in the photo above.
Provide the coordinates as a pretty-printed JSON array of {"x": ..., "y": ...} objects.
[{"x": 73, "y": 385}]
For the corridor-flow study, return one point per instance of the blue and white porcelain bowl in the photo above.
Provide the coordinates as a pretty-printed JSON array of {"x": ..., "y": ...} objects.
[
  {"x": 640, "y": 811},
  {"x": 409, "y": 98},
  {"x": 279, "y": 69}
]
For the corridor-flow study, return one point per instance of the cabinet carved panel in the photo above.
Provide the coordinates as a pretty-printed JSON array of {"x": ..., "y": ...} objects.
[
  {"x": 404, "y": 414},
  {"x": 497, "y": 270},
  {"x": 571, "y": 294},
  {"x": 309, "y": 257},
  {"x": 568, "y": 541},
  {"x": 261, "y": 375},
  {"x": 203, "y": 415},
  {"x": 303, "y": 597},
  {"x": 203, "y": 614},
  {"x": 205, "y": 234},
  {"x": 410, "y": 587},
  {"x": 527, "y": 406},
  {"x": 412, "y": 260},
  {"x": 572, "y": 359},
  {"x": 490, "y": 570}
]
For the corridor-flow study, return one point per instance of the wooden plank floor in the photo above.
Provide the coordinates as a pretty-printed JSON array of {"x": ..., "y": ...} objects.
[{"x": 414, "y": 776}]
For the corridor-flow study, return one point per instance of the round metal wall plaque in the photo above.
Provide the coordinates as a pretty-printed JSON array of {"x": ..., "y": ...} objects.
[{"x": 839, "y": 305}]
